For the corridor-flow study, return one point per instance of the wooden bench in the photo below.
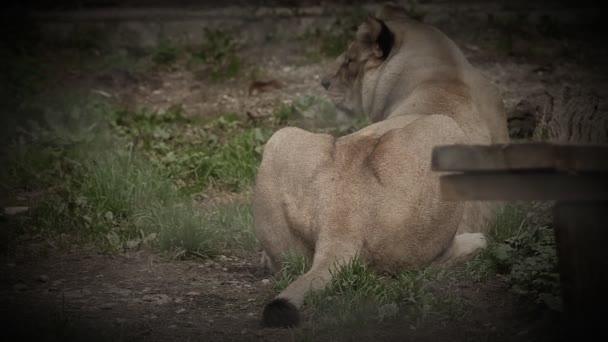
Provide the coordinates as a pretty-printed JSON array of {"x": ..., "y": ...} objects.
[{"x": 576, "y": 176}]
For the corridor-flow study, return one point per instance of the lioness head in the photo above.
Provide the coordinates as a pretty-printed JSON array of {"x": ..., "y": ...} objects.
[
  {"x": 391, "y": 55},
  {"x": 372, "y": 46}
]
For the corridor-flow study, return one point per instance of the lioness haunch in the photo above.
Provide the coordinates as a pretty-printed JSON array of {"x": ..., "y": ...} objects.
[{"x": 372, "y": 194}]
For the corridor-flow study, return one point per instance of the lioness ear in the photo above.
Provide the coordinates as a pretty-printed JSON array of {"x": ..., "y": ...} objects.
[{"x": 374, "y": 34}]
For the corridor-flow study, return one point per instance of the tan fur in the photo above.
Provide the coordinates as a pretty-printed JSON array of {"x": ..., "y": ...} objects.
[{"x": 372, "y": 193}]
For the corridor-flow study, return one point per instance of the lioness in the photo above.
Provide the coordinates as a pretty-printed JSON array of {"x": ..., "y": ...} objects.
[{"x": 372, "y": 194}]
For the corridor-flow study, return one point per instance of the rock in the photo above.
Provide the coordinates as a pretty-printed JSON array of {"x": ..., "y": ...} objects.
[
  {"x": 57, "y": 282},
  {"x": 107, "y": 306},
  {"x": 122, "y": 292},
  {"x": 43, "y": 278},
  {"x": 11, "y": 211},
  {"x": 182, "y": 310},
  {"x": 178, "y": 300},
  {"x": 387, "y": 311},
  {"x": 244, "y": 331},
  {"x": 172, "y": 326},
  {"x": 101, "y": 93},
  {"x": 193, "y": 293},
  {"x": 158, "y": 299},
  {"x": 265, "y": 281}
]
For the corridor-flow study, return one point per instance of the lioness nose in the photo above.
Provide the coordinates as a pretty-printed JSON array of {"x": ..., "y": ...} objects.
[{"x": 325, "y": 83}]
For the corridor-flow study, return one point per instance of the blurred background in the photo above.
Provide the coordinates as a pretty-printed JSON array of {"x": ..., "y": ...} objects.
[{"x": 132, "y": 132}]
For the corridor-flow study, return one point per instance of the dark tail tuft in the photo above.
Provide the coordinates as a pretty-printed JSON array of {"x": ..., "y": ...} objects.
[{"x": 281, "y": 313}]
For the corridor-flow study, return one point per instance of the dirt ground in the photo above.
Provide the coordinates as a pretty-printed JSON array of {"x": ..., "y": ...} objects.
[
  {"x": 143, "y": 296},
  {"x": 48, "y": 294}
]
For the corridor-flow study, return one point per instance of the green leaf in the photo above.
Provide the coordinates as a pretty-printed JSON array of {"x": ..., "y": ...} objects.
[{"x": 503, "y": 252}]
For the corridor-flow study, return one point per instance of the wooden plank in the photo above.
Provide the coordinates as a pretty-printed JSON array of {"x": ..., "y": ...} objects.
[
  {"x": 524, "y": 186},
  {"x": 581, "y": 231},
  {"x": 522, "y": 156}
]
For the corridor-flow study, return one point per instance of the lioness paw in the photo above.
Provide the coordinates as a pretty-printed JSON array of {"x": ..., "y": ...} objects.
[
  {"x": 463, "y": 247},
  {"x": 469, "y": 244},
  {"x": 280, "y": 313}
]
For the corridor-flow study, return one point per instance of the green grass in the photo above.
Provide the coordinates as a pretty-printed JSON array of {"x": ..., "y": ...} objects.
[
  {"x": 219, "y": 51},
  {"x": 100, "y": 188},
  {"x": 165, "y": 53},
  {"x": 223, "y": 153},
  {"x": 521, "y": 247},
  {"x": 293, "y": 266},
  {"x": 358, "y": 298}
]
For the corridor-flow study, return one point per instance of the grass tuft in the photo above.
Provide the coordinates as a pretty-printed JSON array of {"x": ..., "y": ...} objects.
[{"x": 219, "y": 52}]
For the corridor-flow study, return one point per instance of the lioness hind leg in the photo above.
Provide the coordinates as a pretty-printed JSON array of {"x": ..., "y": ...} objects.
[
  {"x": 464, "y": 246},
  {"x": 283, "y": 311}
]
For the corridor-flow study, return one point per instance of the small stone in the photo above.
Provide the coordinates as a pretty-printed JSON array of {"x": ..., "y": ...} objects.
[
  {"x": 265, "y": 281},
  {"x": 244, "y": 331},
  {"x": 57, "y": 282},
  {"x": 123, "y": 292},
  {"x": 193, "y": 293},
  {"x": 173, "y": 326},
  {"x": 107, "y": 306},
  {"x": 158, "y": 298},
  {"x": 224, "y": 269},
  {"x": 178, "y": 300},
  {"x": 182, "y": 310},
  {"x": 43, "y": 278}
]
